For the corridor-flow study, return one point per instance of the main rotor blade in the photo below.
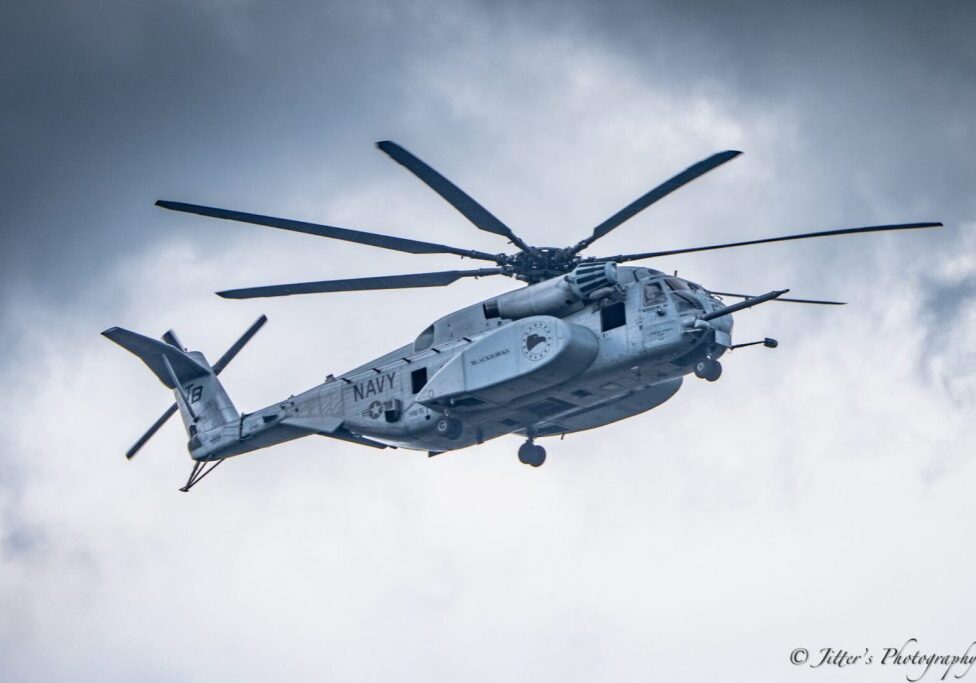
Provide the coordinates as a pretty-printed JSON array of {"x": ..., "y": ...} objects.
[
  {"x": 371, "y": 238},
  {"x": 438, "y": 279},
  {"x": 792, "y": 301},
  {"x": 455, "y": 196},
  {"x": 785, "y": 238},
  {"x": 659, "y": 192},
  {"x": 742, "y": 305}
]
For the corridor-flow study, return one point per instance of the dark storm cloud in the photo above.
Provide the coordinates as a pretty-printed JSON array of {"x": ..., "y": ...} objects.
[
  {"x": 884, "y": 91},
  {"x": 108, "y": 107}
]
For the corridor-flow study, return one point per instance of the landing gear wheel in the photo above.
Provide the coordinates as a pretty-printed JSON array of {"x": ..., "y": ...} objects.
[
  {"x": 540, "y": 457},
  {"x": 708, "y": 369},
  {"x": 448, "y": 427},
  {"x": 715, "y": 372},
  {"x": 700, "y": 368},
  {"x": 531, "y": 454}
]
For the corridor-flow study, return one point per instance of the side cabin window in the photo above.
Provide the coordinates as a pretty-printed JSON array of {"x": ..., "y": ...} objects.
[
  {"x": 613, "y": 316},
  {"x": 418, "y": 378},
  {"x": 424, "y": 340},
  {"x": 653, "y": 294}
]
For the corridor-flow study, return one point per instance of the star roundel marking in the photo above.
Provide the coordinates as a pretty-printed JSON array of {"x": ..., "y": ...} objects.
[{"x": 536, "y": 340}]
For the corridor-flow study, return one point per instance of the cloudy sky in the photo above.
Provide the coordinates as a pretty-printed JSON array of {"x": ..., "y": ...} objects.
[{"x": 819, "y": 495}]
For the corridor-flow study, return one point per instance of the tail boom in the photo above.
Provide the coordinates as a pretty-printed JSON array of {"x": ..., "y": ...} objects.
[{"x": 215, "y": 427}]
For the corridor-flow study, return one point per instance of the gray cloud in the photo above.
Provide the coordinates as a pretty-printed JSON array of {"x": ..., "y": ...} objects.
[{"x": 109, "y": 107}]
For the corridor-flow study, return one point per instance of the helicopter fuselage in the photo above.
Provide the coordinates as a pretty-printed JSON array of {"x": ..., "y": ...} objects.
[{"x": 475, "y": 375}]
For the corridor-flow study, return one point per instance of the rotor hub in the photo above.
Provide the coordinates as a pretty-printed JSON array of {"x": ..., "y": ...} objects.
[{"x": 541, "y": 263}]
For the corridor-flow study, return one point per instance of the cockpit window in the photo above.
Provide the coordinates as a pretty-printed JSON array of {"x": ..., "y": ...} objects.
[
  {"x": 424, "y": 340},
  {"x": 675, "y": 284},
  {"x": 653, "y": 294},
  {"x": 685, "y": 302},
  {"x": 642, "y": 274}
]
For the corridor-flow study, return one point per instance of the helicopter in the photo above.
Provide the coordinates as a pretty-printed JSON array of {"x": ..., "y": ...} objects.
[{"x": 584, "y": 343}]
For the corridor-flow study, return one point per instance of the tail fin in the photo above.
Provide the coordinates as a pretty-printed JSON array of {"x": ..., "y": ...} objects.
[{"x": 200, "y": 397}]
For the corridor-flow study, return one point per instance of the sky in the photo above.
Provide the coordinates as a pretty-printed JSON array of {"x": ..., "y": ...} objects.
[{"x": 819, "y": 495}]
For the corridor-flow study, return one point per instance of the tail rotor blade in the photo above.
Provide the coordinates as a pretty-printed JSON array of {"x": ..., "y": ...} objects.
[
  {"x": 438, "y": 279},
  {"x": 239, "y": 344},
  {"x": 454, "y": 195},
  {"x": 659, "y": 192},
  {"x": 217, "y": 368},
  {"x": 129, "y": 454}
]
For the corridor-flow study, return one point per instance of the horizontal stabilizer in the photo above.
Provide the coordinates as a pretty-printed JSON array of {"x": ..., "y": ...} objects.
[{"x": 152, "y": 351}]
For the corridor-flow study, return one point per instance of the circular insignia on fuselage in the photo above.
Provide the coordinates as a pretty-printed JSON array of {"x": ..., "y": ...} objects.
[
  {"x": 375, "y": 409},
  {"x": 536, "y": 340}
]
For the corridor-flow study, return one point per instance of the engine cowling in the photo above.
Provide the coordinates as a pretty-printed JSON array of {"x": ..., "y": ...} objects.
[{"x": 557, "y": 297}]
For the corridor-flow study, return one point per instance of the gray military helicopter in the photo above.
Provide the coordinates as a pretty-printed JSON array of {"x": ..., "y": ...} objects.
[{"x": 586, "y": 343}]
